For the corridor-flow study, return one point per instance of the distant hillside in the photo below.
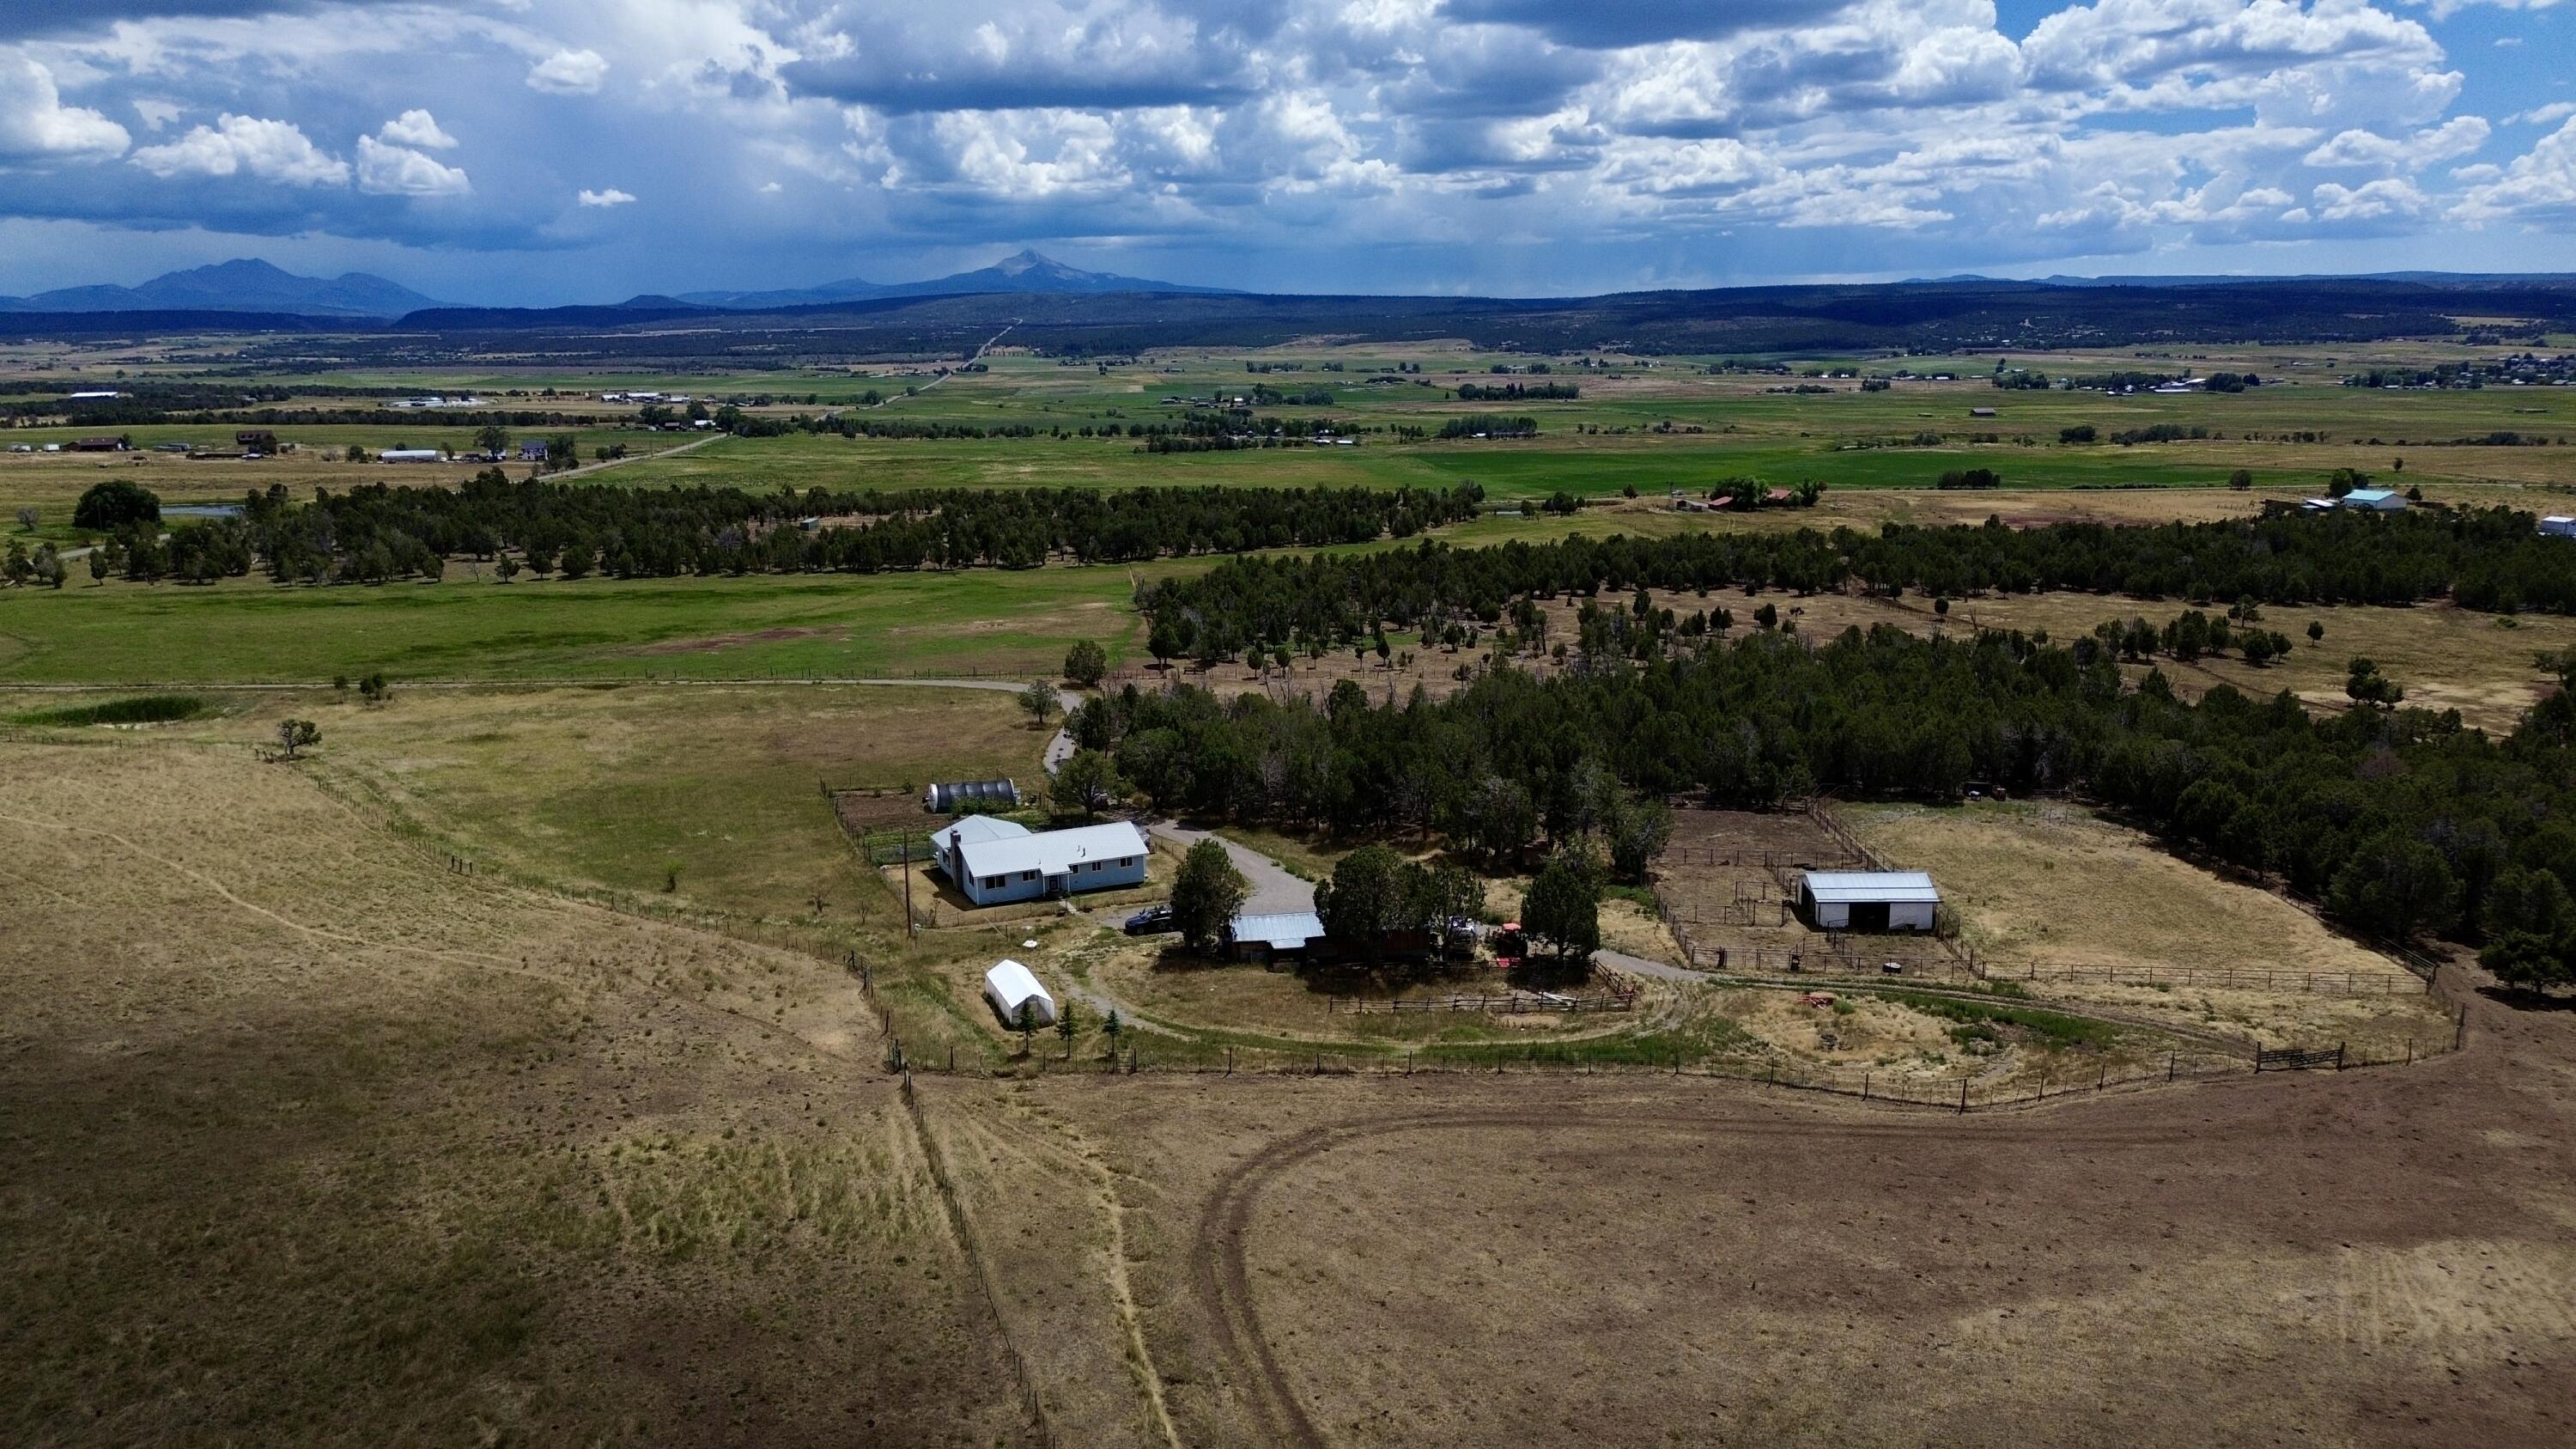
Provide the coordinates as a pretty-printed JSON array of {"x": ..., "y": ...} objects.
[
  {"x": 1028, "y": 271},
  {"x": 1974, "y": 316},
  {"x": 242, "y": 285}
]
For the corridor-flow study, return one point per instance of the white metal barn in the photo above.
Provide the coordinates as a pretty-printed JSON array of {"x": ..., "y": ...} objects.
[
  {"x": 2558, "y": 525},
  {"x": 1870, "y": 900},
  {"x": 1009, "y": 986}
]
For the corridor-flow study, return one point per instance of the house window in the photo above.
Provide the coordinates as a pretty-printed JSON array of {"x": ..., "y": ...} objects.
[
  {"x": 1028, "y": 875},
  {"x": 992, "y": 882},
  {"x": 1126, "y": 862}
]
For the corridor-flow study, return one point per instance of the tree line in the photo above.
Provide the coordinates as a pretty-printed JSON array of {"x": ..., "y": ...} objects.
[
  {"x": 2401, "y": 821},
  {"x": 2484, "y": 559},
  {"x": 383, "y": 531}
]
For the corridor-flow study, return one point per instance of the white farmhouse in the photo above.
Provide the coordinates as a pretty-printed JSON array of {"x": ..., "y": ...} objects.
[{"x": 996, "y": 861}]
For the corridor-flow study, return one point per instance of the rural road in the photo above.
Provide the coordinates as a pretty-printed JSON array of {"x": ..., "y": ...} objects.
[
  {"x": 605, "y": 464},
  {"x": 943, "y": 377},
  {"x": 1274, "y": 890}
]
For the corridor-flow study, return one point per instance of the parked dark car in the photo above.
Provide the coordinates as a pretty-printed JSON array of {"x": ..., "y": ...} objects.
[{"x": 1151, "y": 921}]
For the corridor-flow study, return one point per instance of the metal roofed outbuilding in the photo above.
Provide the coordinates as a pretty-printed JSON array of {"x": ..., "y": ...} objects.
[
  {"x": 1870, "y": 900},
  {"x": 1282, "y": 934}
]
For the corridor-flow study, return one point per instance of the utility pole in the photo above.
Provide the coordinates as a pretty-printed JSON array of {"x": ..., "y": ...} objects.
[{"x": 911, "y": 932}]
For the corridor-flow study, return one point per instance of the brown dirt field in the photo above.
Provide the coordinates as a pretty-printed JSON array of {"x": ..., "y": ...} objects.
[
  {"x": 313, "y": 1141},
  {"x": 2371, "y": 1258},
  {"x": 1712, "y": 854}
]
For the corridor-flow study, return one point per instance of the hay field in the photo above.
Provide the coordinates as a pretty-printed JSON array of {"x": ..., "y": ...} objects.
[{"x": 312, "y": 1141}]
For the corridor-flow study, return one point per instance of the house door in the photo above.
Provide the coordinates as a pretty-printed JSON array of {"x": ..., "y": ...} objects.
[{"x": 1869, "y": 915}]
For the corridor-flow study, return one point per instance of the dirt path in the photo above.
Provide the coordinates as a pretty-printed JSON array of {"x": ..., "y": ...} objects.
[{"x": 1275, "y": 890}]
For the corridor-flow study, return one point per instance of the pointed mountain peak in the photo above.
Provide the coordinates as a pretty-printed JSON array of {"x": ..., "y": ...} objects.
[{"x": 1028, "y": 259}]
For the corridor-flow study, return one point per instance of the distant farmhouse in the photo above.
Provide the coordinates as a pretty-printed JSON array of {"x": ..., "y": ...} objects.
[
  {"x": 2558, "y": 525},
  {"x": 995, "y": 862}
]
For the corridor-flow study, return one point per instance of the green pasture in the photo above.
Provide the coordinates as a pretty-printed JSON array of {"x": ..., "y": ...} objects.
[{"x": 984, "y": 621}]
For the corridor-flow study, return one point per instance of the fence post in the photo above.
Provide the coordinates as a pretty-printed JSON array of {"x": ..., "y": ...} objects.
[
  {"x": 1963, "y": 1096},
  {"x": 1229, "y": 1061},
  {"x": 2169, "y": 1064},
  {"x": 1864, "y": 1086},
  {"x": 2339, "y": 1056}
]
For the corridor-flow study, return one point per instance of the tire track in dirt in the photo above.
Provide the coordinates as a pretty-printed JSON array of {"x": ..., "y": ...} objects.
[{"x": 1222, "y": 1281}]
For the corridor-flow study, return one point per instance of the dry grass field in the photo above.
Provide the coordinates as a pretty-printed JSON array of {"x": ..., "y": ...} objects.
[
  {"x": 2059, "y": 886},
  {"x": 2368, "y": 1259},
  {"x": 313, "y": 1141}
]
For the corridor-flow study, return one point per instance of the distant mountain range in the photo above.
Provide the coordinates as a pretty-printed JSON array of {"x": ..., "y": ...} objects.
[
  {"x": 248, "y": 286},
  {"x": 236, "y": 286},
  {"x": 1026, "y": 271}
]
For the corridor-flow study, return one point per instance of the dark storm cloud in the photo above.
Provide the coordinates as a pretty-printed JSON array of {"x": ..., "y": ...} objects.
[{"x": 23, "y": 19}]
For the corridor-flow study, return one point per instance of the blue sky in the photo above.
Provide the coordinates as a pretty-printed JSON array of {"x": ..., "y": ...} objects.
[{"x": 585, "y": 150}]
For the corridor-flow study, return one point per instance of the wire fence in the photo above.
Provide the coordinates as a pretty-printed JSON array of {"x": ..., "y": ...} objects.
[{"x": 2056, "y": 1077}]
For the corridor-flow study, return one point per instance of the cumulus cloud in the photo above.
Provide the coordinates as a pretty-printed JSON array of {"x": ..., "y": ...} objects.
[
  {"x": 1457, "y": 127},
  {"x": 246, "y": 145},
  {"x": 35, "y": 125},
  {"x": 417, "y": 128},
  {"x": 2456, "y": 137},
  {"x": 2371, "y": 201},
  {"x": 385, "y": 170},
  {"x": 2539, "y": 186},
  {"x": 569, "y": 73}
]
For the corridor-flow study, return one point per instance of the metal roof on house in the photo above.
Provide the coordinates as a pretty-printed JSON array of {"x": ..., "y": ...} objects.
[
  {"x": 975, "y": 828},
  {"x": 1055, "y": 851},
  {"x": 1871, "y": 887},
  {"x": 2370, "y": 495},
  {"x": 1288, "y": 931}
]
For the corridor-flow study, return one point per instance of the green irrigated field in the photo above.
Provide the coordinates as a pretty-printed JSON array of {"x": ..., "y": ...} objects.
[{"x": 981, "y": 621}]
